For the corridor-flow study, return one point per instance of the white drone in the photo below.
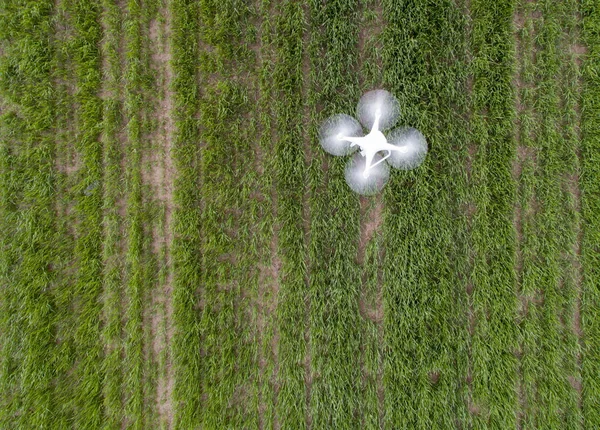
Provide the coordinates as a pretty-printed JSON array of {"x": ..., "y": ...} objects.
[{"x": 367, "y": 172}]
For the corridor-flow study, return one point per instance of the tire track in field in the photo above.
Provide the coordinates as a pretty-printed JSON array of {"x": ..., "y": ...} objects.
[
  {"x": 67, "y": 167},
  {"x": 369, "y": 257},
  {"x": 140, "y": 275},
  {"x": 570, "y": 47},
  {"x": 152, "y": 155},
  {"x": 161, "y": 179}
]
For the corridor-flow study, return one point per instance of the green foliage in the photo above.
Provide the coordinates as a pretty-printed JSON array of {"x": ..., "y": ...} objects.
[
  {"x": 28, "y": 221},
  {"x": 111, "y": 333},
  {"x": 136, "y": 263},
  {"x": 87, "y": 399},
  {"x": 228, "y": 286},
  {"x": 425, "y": 224},
  {"x": 486, "y": 259},
  {"x": 334, "y": 278},
  {"x": 493, "y": 275},
  {"x": 552, "y": 386},
  {"x": 186, "y": 252},
  {"x": 288, "y": 177}
]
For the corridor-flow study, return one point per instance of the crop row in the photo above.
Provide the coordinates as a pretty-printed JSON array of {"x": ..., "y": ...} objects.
[
  {"x": 555, "y": 397},
  {"x": 136, "y": 262},
  {"x": 88, "y": 350},
  {"x": 334, "y": 277},
  {"x": 113, "y": 153},
  {"x": 529, "y": 362},
  {"x": 493, "y": 275},
  {"x": 28, "y": 219},
  {"x": 424, "y": 221},
  {"x": 186, "y": 256},
  {"x": 228, "y": 289},
  {"x": 288, "y": 176}
]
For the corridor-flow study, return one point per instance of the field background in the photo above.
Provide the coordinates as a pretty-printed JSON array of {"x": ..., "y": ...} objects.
[{"x": 176, "y": 250}]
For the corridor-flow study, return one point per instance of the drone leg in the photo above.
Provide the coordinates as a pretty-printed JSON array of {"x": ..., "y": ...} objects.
[
  {"x": 383, "y": 159},
  {"x": 369, "y": 158}
]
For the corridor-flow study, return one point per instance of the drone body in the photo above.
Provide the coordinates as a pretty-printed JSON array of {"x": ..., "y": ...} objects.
[
  {"x": 367, "y": 172},
  {"x": 373, "y": 143}
]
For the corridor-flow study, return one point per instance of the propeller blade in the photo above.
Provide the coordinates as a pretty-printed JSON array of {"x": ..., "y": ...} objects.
[
  {"x": 415, "y": 145},
  {"x": 383, "y": 100},
  {"x": 336, "y": 126},
  {"x": 378, "y": 175}
]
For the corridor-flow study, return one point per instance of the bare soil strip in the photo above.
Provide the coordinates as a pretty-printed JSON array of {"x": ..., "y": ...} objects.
[
  {"x": 371, "y": 216},
  {"x": 371, "y": 310},
  {"x": 266, "y": 273},
  {"x": 161, "y": 178},
  {"x": 114, "y": 141}
]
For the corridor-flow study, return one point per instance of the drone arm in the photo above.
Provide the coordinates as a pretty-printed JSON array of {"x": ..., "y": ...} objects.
[
  {"x": 376, "y": 123},
  {"x": 401, "y": 149},
  {"x": 353, "y": 140}
]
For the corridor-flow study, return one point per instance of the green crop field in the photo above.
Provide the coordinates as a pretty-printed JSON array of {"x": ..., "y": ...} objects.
[{"x": 178, "y": 251}]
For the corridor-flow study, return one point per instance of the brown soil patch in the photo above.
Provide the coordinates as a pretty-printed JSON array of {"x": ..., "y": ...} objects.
[
  {"x": 471, "y": 153},
  {"x": 576, "y": 384},
  {"x": 371, "y": 219},
  {"x": 469, "y": 287},
  {"x": 474, "y": 409},
  {"x": 472, "y": 321},
  {"x": 579, "y": 52},
  {"x": 523, "y": 153},
  {"x": 70, "y": 165},
  {"x": 434, "y": 377},
  {"x": 371, "y": 223}
]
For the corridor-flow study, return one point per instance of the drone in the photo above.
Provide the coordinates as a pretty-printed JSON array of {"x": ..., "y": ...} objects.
[{"x": 368, "y": 171}]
